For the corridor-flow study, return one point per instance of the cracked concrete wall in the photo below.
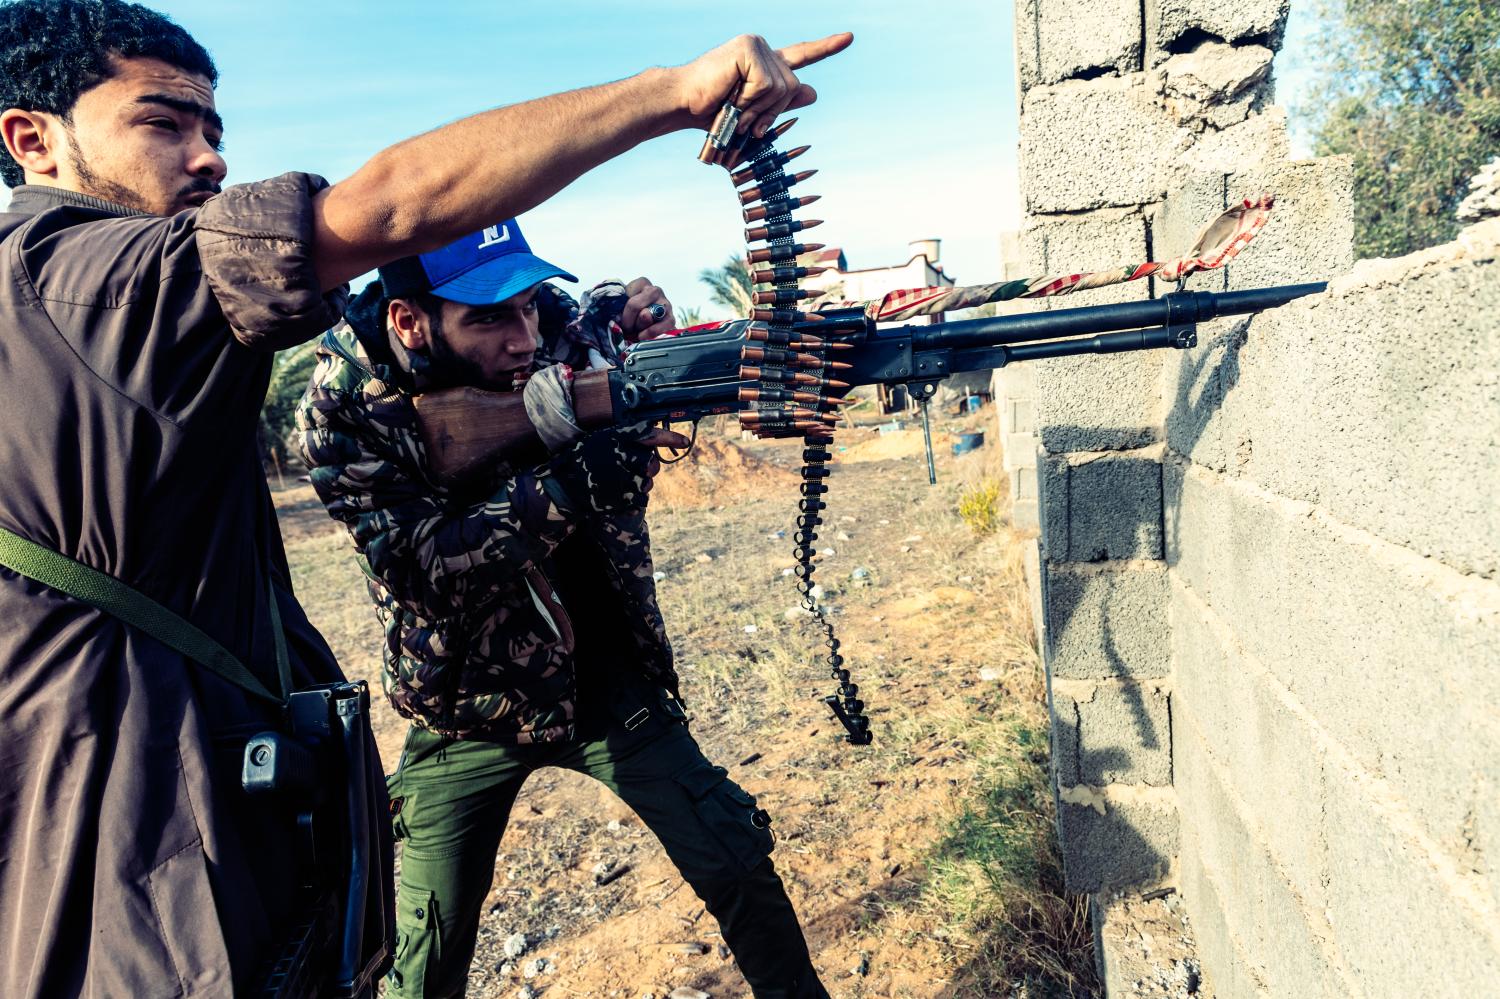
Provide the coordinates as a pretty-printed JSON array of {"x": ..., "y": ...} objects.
[{"x": 1267, "y": 568}]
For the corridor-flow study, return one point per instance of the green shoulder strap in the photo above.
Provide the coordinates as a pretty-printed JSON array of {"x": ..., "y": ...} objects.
[{"x": 101, "y": 590}]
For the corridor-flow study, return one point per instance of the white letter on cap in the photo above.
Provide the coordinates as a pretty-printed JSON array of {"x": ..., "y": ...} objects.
[{"x": 495, "y": 234}]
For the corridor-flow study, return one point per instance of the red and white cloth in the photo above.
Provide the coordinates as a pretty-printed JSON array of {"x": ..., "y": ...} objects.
[{"x": 1217, "y": 244}]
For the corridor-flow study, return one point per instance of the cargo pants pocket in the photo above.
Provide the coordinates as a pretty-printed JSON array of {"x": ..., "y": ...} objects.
[
  {"x": 419, "y": 944},
  {"x": 730, "y": 815}
]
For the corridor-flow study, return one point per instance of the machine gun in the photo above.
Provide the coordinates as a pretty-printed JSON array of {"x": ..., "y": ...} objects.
[{"x": 724, "y": 368}]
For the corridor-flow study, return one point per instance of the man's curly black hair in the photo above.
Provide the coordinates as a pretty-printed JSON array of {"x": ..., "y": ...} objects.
[{"x": 51, "y": 51}]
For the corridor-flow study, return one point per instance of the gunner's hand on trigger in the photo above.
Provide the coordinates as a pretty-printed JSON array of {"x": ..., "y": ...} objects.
[
  {"x": 611, "y": 470},
  {"x": 761, "y": 80},
  {"x": 647, "y": 313}
]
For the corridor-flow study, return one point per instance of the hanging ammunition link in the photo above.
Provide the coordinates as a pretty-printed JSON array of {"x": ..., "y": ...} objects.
[{"x": 791, "y": 357}]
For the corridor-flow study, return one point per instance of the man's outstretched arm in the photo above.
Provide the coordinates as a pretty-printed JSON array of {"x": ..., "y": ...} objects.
[{"x": 426, "y": 192}]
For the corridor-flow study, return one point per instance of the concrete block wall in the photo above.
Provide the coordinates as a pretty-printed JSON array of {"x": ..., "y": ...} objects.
[
  {"x": 1268, "y": 571},
  {"x": 1333, "y": 567}
]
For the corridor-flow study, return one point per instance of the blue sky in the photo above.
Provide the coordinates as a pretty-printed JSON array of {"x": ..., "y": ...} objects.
[{"x": 914, "y": 134}]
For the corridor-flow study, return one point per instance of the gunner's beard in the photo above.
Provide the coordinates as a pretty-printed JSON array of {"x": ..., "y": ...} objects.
[{"x": 447, "y": 367}]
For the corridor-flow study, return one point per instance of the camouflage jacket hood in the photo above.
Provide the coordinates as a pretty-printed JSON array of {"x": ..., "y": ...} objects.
[{"x": 476, "y": 643}]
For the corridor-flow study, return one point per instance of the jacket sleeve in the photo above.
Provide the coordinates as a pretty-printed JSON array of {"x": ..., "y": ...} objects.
[
  {"x": 255, "y": 242},
  {"x": 365, "y": 462}
]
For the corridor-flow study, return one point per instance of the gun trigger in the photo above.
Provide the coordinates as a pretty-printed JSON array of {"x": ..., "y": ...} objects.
[{"x": 675, "y": 456}]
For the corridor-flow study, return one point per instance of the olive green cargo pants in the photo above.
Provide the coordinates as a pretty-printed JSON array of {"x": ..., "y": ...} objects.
[{"x": 452, "y": 798}]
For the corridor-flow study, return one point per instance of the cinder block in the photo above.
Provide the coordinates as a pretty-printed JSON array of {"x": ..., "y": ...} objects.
[
  {"x": 1108, "y": 623},
  {"x": 1100, "y": 402},
  {"x": 1227, "y": 971},
  {"x": 1058, "y": 39},
  {"x": 1195, "y": 385},
  {"x": 1107, "y": 238},
  {"x": 1113, "y": 837},
  {"x": 1286, "y": 940},
  {"x": 1025, "y": 515},
  {"x": 1254, "y": 143},
  {"x": 1136, "y": 940},
  {"x": 1391, "y": 654},
  {"x": 1022, "y": 417},
  {"x": 1095, "y": 402},
  {"x": 1173, "y": 25},
  {"x": 1094, "y": 144},
  {"x": 1102, "y": 507},
  {"x": 1014, "y": 382},
  {"x": 1020, "y": 451},
  {"x": 1023, "y": 484},
  {"x": 1112, "y": 732},
  {"x": 1379, "y": 402},
  {"x": 1405, "y": 930},
  {"x": 1310, "y": 236},
  {"x": 1215, "y": 85},
  {"x": 1193, "y": 202},
  {"x": 1228, "y": 707}
]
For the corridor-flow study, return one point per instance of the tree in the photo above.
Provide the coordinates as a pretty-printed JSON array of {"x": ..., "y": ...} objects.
[
  {"x": 729, "y": 286},
  {"x": 1411, "y": 89},
  {"x": 278, "y": 416}
]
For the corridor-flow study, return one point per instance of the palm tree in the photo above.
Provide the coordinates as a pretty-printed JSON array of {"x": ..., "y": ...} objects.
[{"x": 729, "y": 286}]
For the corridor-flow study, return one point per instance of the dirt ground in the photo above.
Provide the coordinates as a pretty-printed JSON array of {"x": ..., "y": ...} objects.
[{"x": 922, "y": 866}]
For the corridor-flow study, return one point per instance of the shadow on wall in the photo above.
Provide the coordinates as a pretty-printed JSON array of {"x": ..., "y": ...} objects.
[{"x": 1109, "y": 641}]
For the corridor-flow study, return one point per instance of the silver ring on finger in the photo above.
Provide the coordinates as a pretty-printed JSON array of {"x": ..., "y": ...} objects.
[{"x": 658, "y": 311}]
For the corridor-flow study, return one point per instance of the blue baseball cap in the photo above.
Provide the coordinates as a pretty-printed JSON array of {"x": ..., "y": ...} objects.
[{"x": 483, "y": 268}]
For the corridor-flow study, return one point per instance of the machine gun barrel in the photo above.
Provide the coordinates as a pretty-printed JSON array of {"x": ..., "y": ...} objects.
[{"x": 1176, "y": 309}]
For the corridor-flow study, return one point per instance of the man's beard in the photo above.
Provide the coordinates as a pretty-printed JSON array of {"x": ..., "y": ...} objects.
[
  {"x": 122, "y": 194},
  {"x": 98, "y": 187},
  {"x": 446, "y": 366}
]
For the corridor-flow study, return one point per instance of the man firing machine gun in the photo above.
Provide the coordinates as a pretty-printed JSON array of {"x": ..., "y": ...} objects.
[{"x": 785, "y": 372}]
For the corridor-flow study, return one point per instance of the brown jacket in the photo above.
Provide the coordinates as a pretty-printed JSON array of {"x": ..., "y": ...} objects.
[{"x": 134, "y": 355}]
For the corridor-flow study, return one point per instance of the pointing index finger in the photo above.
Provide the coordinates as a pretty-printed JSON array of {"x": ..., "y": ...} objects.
[{"x": 807, "y": 53}]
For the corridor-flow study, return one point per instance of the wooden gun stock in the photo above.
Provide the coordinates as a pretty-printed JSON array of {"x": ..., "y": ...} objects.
[{"x": 468, "y": 429}]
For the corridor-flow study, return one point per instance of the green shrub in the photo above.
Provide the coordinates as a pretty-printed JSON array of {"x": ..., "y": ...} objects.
[{"x": 979, "y": 506}]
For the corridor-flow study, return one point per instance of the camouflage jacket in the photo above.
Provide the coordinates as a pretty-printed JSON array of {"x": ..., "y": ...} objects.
[{"x": 477, "y": 644}]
